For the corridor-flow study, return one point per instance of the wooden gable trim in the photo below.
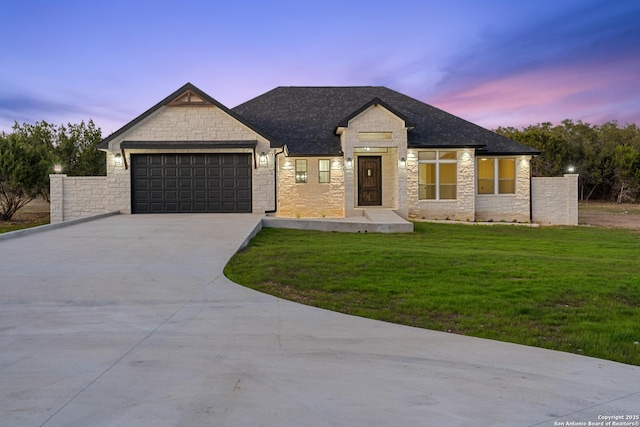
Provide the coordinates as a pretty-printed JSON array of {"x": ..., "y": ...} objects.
[{"x": 188, "y": 99}]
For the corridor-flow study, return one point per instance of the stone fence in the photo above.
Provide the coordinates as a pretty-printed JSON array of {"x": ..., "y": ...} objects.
[
  {"x": 554, "y": 201},
  {"x": 77, "y": 197}
]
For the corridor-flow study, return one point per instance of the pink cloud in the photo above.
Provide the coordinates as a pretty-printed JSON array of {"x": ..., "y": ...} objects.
[{"x": 592, "y": 94}]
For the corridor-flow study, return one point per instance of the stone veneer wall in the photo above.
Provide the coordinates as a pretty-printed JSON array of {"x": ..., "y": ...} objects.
[
  {"x": 555, "y": 200},
  {"x": 310, "y": 199},
  {"x": 508, "y": 207},
  {"x": 76, "y": 197},
  {"x": 394, "y": 185},
  {"x": 190, "y": 123},
  {"x": 461, "y": 209}
]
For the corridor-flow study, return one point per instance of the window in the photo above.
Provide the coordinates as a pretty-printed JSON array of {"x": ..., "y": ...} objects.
[
  {"x": 496, "y": 176},
  {"x": 370, "y": 149},
  {"x": 438, "y": 175},
  {"x": 301, "y": 171},
  {"x": 374, "y": 136},
  {"x": 324, "y": 171},
  {"x": 486, "y": 174},
  {"x": 507, "y": 176}
]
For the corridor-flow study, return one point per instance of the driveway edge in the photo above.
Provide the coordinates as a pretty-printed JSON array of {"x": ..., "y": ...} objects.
[{"x": 47, "y": 227}]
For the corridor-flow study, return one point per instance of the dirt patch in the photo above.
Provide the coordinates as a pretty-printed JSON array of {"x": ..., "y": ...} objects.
[
  {"x": 609, "y": 215},
  {"x": 35, "y": 213}
]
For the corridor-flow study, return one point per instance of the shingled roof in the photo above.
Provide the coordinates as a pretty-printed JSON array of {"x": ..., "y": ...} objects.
[{"x": 305, "y": 120}]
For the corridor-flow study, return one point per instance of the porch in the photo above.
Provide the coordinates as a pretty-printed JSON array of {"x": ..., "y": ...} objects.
[{"x": 370, "y": 220}]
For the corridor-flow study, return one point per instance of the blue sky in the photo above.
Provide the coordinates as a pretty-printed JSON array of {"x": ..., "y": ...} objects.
[{"x": 493, "y": 62}]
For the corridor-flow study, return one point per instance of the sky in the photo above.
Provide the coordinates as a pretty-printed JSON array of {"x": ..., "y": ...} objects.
[{"x": 492, "y": 62}]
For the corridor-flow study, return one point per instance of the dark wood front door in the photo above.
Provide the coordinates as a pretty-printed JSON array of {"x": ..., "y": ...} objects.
[{"x": 370, "y": 181}]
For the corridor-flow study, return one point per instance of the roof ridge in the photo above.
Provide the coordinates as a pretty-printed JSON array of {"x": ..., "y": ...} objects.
[{"x": 333, "y": 87}]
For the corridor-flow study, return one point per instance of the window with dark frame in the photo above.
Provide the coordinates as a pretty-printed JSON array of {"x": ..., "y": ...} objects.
[
  {"x": 301, "y": 171},
  {"x": 324, "y": 171}
]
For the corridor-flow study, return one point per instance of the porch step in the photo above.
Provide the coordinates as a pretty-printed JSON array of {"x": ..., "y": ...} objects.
[
  {"x": 371, "y": 221},
  {"x": 388, "y": 220},
  {"x": 383, "y": 215}
]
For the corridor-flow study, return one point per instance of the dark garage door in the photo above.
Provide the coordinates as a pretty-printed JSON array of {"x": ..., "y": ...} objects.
[{"x": 185, "y": 183}]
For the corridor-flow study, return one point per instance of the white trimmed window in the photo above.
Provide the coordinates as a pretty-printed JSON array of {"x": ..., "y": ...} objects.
[
  {"x": 496, "y": 175},
  {"x": 324, "y": 171},
  {"x": 301, "y": 171},
  {"x": 438, "y": 175}
]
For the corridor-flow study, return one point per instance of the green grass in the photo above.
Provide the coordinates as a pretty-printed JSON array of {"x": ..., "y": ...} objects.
[
  {"x": 573, "y": 289},
  {"x": 5, "y": 228}
]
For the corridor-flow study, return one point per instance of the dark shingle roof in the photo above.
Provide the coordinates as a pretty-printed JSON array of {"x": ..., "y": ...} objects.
[{"x": 305, "y": 119}]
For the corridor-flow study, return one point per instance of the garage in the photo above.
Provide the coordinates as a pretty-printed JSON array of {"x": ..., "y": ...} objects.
[{"x": 191, "y": 183}]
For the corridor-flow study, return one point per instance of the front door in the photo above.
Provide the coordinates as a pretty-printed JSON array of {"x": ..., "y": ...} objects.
[{"x": 369, "y": 181}]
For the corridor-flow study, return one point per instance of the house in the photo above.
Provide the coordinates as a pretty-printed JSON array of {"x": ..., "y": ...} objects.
[{"x": 307, "y": 152}]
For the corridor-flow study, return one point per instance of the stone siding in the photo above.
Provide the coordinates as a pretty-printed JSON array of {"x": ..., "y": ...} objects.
[
  {"x": 200, "y": 123},
  {"x": 555, "y": 200},
  {"x": 118, "y": 193},
  {"x": 77, "y": 197},
  {"x": 311, "y": 199},
  {"x": 461, "y": 209}
]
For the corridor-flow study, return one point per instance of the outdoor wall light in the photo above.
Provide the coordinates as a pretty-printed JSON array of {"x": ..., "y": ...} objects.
[
  {"x": 403, "y": 162},
  {"x": 263, "y": 158},
  {"x": 57, "y": 168},
  {"x": 349, "y": 162},
  {"x": 117, "y": 159},
  {"x": 571, "y": 169}
]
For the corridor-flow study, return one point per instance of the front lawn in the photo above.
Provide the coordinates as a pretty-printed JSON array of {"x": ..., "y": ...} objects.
[{"x": 574, "y": 289}]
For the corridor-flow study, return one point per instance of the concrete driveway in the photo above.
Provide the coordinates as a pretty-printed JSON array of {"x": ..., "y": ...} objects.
[{"x": 129, "y": 321}]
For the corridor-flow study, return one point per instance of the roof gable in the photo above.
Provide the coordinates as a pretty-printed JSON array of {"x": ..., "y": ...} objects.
[
  {"x": 375, "y": 102},
  {"x": 187, "y": 95}
]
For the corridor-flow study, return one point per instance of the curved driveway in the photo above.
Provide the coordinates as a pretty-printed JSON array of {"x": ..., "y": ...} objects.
[{"x": 129, "y": 321}]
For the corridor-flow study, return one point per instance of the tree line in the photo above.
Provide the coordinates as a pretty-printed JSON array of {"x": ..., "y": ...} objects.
[
  {"x": 607, "y": 158},
  {"x": 30, "y": 152}
]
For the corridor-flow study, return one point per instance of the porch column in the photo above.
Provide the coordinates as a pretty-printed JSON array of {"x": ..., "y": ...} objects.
[{"x": 349, "y": 182}]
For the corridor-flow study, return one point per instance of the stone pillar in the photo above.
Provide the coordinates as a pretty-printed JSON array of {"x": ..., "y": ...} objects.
[
  {"x": 571, "y": 190},
  {"x": 56, "y": 196}
]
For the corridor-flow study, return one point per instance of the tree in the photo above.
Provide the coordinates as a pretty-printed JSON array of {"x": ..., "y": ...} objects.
[
  {"x": 626, "y": 164},
  {"x": 555, "y": 155},
  {"x": 76, "y": 148},
  {"x": 606, "y": 157},
  {"x": 25, "y": 165},
  {"x": 28, "y": 154}
]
